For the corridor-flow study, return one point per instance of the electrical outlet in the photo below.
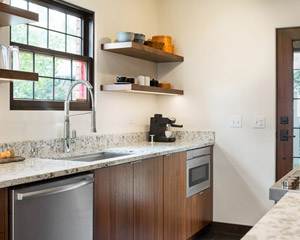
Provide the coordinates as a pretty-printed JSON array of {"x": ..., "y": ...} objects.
[
  {"x": 259, "y": 122},
  {"x": 235, "y": 122}
]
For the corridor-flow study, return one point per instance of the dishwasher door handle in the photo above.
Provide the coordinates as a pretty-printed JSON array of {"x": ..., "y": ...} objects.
[{"x": 54, "y": 190}]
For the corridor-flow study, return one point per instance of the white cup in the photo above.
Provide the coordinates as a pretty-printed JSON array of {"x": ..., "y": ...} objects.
[
  {"x": 147, "y": 81},
  {"x": 168, "y": 134},
  {"x": 141, "y": 80}
]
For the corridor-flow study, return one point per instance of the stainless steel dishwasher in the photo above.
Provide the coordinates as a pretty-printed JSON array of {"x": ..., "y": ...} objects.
[{"x": 54, "y": 210}]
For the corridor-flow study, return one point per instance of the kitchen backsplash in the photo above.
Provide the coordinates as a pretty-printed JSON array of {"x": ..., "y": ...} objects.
[{"x": 91, "y": 143}]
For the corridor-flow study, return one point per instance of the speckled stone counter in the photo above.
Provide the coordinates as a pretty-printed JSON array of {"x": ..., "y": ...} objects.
[
  {"x": 281, "y": 222},
  {"x": 35, "y": 169}
]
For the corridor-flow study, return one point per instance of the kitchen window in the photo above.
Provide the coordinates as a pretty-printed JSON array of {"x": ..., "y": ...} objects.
[{"x": 60, "y": 49}]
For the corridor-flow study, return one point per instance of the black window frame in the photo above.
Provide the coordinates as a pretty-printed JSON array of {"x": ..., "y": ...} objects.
[{"x": 87, "y": 56}]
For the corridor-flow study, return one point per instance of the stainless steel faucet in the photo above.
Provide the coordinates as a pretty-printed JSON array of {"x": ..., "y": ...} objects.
[{"x": 67, "y": 139}]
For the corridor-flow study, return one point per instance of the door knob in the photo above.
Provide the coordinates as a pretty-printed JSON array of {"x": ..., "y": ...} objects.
[{"x": 284, "y": 135}]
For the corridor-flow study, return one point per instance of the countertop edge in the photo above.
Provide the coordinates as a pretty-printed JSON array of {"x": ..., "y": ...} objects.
[{"x": 85, "y": 167}]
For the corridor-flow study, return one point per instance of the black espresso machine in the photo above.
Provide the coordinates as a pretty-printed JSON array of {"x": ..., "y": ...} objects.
[{"x": 158, "y": 127}]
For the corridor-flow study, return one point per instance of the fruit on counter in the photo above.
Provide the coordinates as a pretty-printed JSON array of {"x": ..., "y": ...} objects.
[{"x": 7, "y": 154}]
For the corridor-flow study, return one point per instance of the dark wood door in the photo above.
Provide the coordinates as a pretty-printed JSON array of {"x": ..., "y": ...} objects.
[
  {"x": 288, "y": 100},
  {"x": 114, "y": 203},
  {"x": 148, "y": 199},
  {"x": 175, "y": 196}
]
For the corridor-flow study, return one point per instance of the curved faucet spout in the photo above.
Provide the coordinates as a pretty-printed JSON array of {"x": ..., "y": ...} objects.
[{"x": 67, "y": 139}]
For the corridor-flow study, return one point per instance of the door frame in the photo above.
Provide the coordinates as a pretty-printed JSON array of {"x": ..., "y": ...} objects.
[{"x": 284, "y": 97}]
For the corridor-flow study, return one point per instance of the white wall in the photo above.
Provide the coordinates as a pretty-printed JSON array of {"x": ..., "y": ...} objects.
[
  {"x": 229, "y": 69},
  {"x": 116, "y": 112}
]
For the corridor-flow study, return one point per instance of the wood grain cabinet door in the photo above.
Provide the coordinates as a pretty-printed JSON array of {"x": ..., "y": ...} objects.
[
  {"x": 113, "y": 205},
  {"x": 148, "y": 199},
  {"x": 2, "y": 209},
  {"x": 175, "y": 196}
]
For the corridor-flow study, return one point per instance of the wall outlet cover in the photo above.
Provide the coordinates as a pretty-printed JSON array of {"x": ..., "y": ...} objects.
[
  {"x": 259, "y": 122},
  {"x": 235, "y": 121}
]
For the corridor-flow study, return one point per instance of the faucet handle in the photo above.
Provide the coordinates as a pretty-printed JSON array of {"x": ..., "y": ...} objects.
[{"x": 74, "y": 134}]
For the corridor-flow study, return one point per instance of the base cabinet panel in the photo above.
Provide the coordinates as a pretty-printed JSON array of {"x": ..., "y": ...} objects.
[
  {"x": 114, "y": 203},
  {"x": 148, "y": 199},
  {"x": 2, "y": 236},
  {"x": 2, "y": 210},
  {"x": 175, "y": 196}
]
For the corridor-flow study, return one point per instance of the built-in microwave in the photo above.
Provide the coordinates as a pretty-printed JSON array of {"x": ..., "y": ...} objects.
[{"x": 197, "y": 170}]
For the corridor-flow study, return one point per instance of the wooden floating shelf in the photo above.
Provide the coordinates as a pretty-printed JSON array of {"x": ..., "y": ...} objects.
[
  {"x": 11, "y": 75},
  {"x": 135, "y": 88},
  {"x": 141, "y": 51},
  {"x": 13, "y": 16}
]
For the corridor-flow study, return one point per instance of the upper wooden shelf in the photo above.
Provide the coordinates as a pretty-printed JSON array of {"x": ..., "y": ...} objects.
[
  {"x": 135, "y": 88},
  {"x": 141, "y": 51},
  {"x": 13, "y": 16},
  {"x": 11, "y": 75}
]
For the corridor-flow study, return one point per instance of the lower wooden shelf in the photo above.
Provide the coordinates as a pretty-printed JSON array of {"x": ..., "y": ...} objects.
[
  {"x": 11, "y": 75},
  {"x": 135, "y": 88}
]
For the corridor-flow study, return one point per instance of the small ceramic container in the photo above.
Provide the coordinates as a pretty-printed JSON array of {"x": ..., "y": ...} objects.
[
  {"x": 141, "y": 80},
  {"x": 125, "y": 36}
]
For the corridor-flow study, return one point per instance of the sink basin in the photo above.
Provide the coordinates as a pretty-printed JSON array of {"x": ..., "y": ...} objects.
[{"x": 94, "y": 157}]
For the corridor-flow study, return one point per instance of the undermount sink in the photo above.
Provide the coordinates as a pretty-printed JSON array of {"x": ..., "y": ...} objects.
[{"x": 94, "y": 157}]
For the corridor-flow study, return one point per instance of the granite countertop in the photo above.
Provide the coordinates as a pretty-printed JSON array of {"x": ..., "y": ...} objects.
[
  {"x": 36, "y": 169},
  {"x": 281, "y": 222}
]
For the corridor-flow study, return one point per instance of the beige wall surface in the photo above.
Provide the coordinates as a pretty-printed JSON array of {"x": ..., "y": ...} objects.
[
  {"x": 116, "y": 112},
  {"x": 230, "y": 69}
]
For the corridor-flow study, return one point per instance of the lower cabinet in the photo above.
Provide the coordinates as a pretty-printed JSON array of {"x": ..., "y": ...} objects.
[
  {"x": 146, "y": 200},
  {"x": 129, "y": 201},
  {"x": 113, "y": 203},
  {"x": 3, "y": 214},
  {"x": 183, "y": 217}
]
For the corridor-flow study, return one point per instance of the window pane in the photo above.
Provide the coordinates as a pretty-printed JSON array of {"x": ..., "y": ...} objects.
[
  {"x": 296, "y": 113},
  {"x": 37, "y": 37},
  {"x": 19, "y": 33},
  {"x": 74, "y": 45},
  {"x": 296, "y": 162},
  {"x": 44, "y": 65},
  {"x": 23, "y": 90},
  {"x": 19, "y": 3},
  {"x": 26, "y": 61},
  {"x": 79, "y": 92},
  {"x": 43, "y": 89},
  {"x": 57, "y": 20},
  {"x": 43, "y": 14},
  {"x": 61, "y": 89},
  {"x": 79, "y": 70},
  {"x": 57, "y": 41},
  {"x": 63, "y": 68},
  {"x": 74, "y": 25}
]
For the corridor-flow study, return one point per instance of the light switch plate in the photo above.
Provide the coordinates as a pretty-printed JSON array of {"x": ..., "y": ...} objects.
[
  {"x": 235, "y": 121},
  {"x": 259, "y": 122}
]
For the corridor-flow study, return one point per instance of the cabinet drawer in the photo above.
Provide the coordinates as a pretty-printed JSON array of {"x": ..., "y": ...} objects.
[
  {"x": 197, "y": 152},
  {"x": 1, "y": 236},
  {"x": 2, "y": 192}
]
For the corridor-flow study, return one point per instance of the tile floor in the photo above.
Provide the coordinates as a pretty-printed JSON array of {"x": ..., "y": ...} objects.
[{"x": 220, "y": 231}]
